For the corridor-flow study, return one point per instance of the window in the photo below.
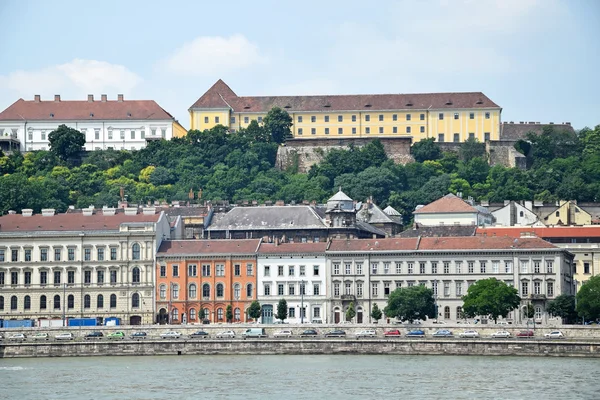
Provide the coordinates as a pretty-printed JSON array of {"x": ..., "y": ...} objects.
[
  {"x": 550, "y": 289},
  {"x": 422, "y": 117},
  {"x": 113, "y": 253},
  {"x": 249, "y": 269},
  {"x": 110, "y": 135},
  {"x": 381, "y": 129},
  {"x": 217, "y": 120},
  {"x": 458, "y": 289},
  {"x": 524, "y": 267},
  {"x": 410, "y": 266},
  {"x": 237, "y": 314},
  {"x": 434, "y": 268},
  {"x": 267, "y": 270},
  {"x": 441, "y": 116},
  {"x": 374, "y": 289},
  {"x": 206, "y": 120},
  {"x": 380, "y": 117},
  {"x": 219, "y": 314},
  {"x": 28, "y": 277},
  {"x": 316, "y": 270},
  {"x": 524, "y": 288},
  {"x": 340, "y": 131},
  {"x": 313, "y": 118},
  {"x": 249, "y": 289},
  {"x": 14, "y": 303},
  {"x": 175, "y": 314},
  {"x": 205, "y": 269},
  {"x": 291, "y": 270},
  {"x": 300, "y": 118},
  {"x": 220, "y": 269},
  {"x": 359, "y": 289},
  {"x": 394, "y": 129},
  {"x": 367, "y": 130},
  {"x": 113, "y": 277},
  {"x": 446, "y": 289},
  {"x": 456, "y": 137},
  {"x": 87, "y": 277},
  {"x": 482, "y": 267},
  {"x": 434, "y": 287},
  {"x": 162, "y": 290},
  {"x": 455, "y": 115},
  {"x": 446, "y": 267},
  {"x": 192, "y": 291},
  {"x": 113, "y": 301},
  {"x": 133, "y": 134},
  {"x": 398, "y": 267},
  {"x": 367, "y": 117},
  {"x": 135, "y": 251},
  {"x": 1, "y": 278},
  {"x": 43, "y": 302},
  {"x": 422, "y": 129},
  {"x": 280, "y": 270},
  {"x": 70, "y": 254},
  {"x": 302, "y": 271},
  {"x": 374, "y": 267},
  {"x": 192, "y": 270},
  {"x": 206, "y": 290},
  {"x": 142, "y": 134},
  {"x": 175, "y": 294},
  {"x": 549, "y": 267},
  {"x": 536, "y": 267},
  {"x": 486, "y": 136},
  {"x": 246, "y": 120},
  {"x": 70, "y": 277},
  {"x": 232, "y": 120},
  {"x": 303, "y": 288},
  {"x": 326, "y": 118},
  {"x": 14, "y": 278},
  {"x": 237, "y": 270},
  {"x": 440, "y": 137},
  {"x": 336, "y": 268},
  {"x": 471, "y": 115},
  {"x": 586, "y": 268},
  {"x": 327, "y": 131},
  {"x": 508, "y": 267},
  {"x": 359, "y": 268},
  {"x": 175, "y": 269},
  {"x": 336, "y": 289},
  {"x": 386, "y": 288},
  {"x": 192, "y": 314},
  {"x": 220, "y": 290},
  {"x": 421, "y": 267},
  {"x": 354, "y": 118},
  {"x": 316, "y": 289},
  {"x": 458, "y": 266},
  {"x": 27, "y": 254},
  {"x": 471, "y": 267},
  {"x": 100, "y": 301},
  {"x": 313, "y": 131},
  {"x": 15, "y": 255},
  {"x": 100, "y": 277},
  {"x": 537, "y": 287},
  {"x": 57, "y": 254},
  {"x": 495, "y": 267},
  {"x": 487, "y": 115},
  {"x": 1, "y": 255},
  {"x": 122, "y": 135},
  {"x": 267, "y": 289},
  {"x": 280, "y": 289},
  {"x": 408, "y": 129},
  {"x": 299, "y": 131},
  {"x": 135, "y": 275},
  {"x": 471, "y": 135},
  {"x": 56, "y": 278}
]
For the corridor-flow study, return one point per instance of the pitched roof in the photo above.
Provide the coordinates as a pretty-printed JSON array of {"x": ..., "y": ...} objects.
[
  {"x": 292, "y": 248},
  {"x": 67, "y": 110},
  {"x": 447, "y": 204},
  {"x": 269, "y": 218},
  {"x": 221, "y": 96},
  {"x": 482, "y": 243},
  {"x": 208, "y": 247},
  {"x": 542, "y": 232},
  {"x": 339, "y": 196},
  {"x": 511, "y": 131},
  {"x": 389, "y": 210},
  {"x": 373, "y": 244},
  {"x": 372, "y": 214},
  {"x": 445, "y": 230}
]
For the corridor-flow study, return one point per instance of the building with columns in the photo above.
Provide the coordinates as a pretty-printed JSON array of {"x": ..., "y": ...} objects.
[{"x": 84, "y": 264}]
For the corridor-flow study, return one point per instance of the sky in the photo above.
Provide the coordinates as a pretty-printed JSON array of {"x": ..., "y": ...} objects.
[{"x": 538, "y": 59}]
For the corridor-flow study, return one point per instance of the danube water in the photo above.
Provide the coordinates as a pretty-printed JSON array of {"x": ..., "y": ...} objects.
[{"x": 300, "y": 377}]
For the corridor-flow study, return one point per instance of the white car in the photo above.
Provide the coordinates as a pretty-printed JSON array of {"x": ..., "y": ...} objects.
[
  {"x": 226, "y": 334},
  {"x": 469, "y": 334},
  {"x": 501, "y": 334},
  {"x": 64, "y": 336},
  {"x": 554, "y": 335},
  {"x": 283, "y": 333},
  {"x": 40, "y": 336},
  {"x": 17, "y": 337},
  {"x": 170, "y": 335},
  {"x": 366, "y": 333}
]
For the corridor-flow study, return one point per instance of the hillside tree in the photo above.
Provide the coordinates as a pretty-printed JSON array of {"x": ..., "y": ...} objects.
[{"x": 66, "y": 143}]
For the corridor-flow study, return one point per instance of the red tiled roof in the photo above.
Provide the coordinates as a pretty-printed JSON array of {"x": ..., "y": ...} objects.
[
  {"x": 221, "y": 96},
  {"x": 29, "y": 110},
  {"x": 482, "y": 243},
  {"x": 69, "y": 222},
  {"x": 290, "y": 248},
  {"x": 223, "y": 246},
  {"x": 542, "y": 232},
  {"x": 447, "y": 204},
  {"x": 374, "y": 244}
]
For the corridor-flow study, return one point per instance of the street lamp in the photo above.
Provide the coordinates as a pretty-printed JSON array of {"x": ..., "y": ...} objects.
[{"x": 302, "y": 301}]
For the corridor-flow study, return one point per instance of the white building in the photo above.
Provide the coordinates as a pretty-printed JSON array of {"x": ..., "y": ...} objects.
[
  {"x": 451, "y": 210},
  {"x": 83, "y": 264},
  {"x": 516, "y": 214},
  {"x": 294, "y": 272},
  {"x": 118, "y": 124}
]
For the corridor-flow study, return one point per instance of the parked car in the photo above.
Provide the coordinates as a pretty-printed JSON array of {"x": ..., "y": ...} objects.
[
  {"x": 501, "y": 334},
  {"x": 199, "y": 335},
  {"x": 94, "y": 335},
  {"x": 392, "y": 332},
  {"x": 170, "y": 335},
  {"x": 17, "y": 337},
  {"x": 40, "y": 336},
  {"x": 283, "y": 333},
  {"x": 64, "y": 336},
  {"x": 116, "y": 335},
  {"x": 366, "y": 333},
  {"x": 463, "y": 323},
  {"x": 309, "y": 332},
  {"x": 443, "y": 333},
  {"x": 138, "y": 335},
  {"x": 469, "y": 334},
  {"x": 439, "y": 322},
  {"x": 525, "y": 334},
  {"x": 226, "y": 334},
  {"x": 335, "y": 333},
  {"x": 501, "y": 323},
  {"x": 254, "y": 333},
  {"x": 554, "y": 335},
  {"x": 415, "y": 333}
]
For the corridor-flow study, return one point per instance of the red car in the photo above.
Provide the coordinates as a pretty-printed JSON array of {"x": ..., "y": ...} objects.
[
  {"x": 393, "y": 332},
  {"x": 525, "y": 334}
]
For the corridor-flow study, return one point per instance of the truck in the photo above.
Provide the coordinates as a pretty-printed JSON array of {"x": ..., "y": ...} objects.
[
  {"x": 112, "y": 321},
  {"x": 17, "y": 323},
  {"x": 254, "y": 333},
  {"x": 82, "y": 322}
]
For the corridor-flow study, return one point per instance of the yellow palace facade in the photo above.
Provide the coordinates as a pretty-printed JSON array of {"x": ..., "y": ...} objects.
[{"x": 447, "y": 117}]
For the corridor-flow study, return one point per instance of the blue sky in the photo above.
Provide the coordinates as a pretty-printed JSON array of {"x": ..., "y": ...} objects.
[{"x": 538, "y": 59}]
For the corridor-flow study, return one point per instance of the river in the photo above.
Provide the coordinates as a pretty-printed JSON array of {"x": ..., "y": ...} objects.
[{"x": 300, "y": 377}]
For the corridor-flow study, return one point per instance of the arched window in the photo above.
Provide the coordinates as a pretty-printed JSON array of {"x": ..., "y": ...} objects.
[
  {"x": 175, "y": 291},
  {"x": 521, "y": 214},
  {"x": 249, "y": 291},
  {"x": 71, "y": 301},
  {"x": 135, "y": 300},
  {"x": 236, "y": 314},
  {"x": 446, "y": 312},
  {"x": 162, "y": 291},
  {"x": 192, "y": 314},
  {"x": 220, "y": 290},
  {"x": 87, "y": 301},
  {"x": 57, "y": 302},
  {"x": 43, "y": 302},
  {"x": 113, "y": 301},
  {"x": 135, "y": 251},
  {"x": 236, "y": 291},
  {"x": 219, "y": 314},
  {"x": 27, "y": 303},
  {"x": 135, "y": 275},
  {"x": 100, "y": 301},
  {"x": 205, "y": 314},
  {"x": 192, "y": 291},
  {"x": 538, "y": 312},
  {"x": 13, "y": 303},
  {"x": 175, "y": 314},
  {"x": 459, "y": 312},
  {"x": 1, "y": 302},
  {"x": 206, "y": 290}
]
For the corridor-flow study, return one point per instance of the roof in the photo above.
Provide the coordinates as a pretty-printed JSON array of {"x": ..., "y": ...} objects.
[
  {"x": 292, "y": 248},
  {"x": 208, "y": 247},
  {"x": 447, "y": 204},
  {"x": 185, "y": 211},
  {"x": 542, "y": 232},
  {"x": 67, "y": 110},
  {"x": 445, "y": 230},
  {"x": 396, "y": 244},
  {"x": 389, "y": 210},
  {"x": 269, "y": 217},
  {"x": 510, "y": 131},
  {"x": 372, "y": 214},
  {"x": 70, "y": 222},
  {"x": 220, "y": 95},
  {"x": 339, "y": 196}
]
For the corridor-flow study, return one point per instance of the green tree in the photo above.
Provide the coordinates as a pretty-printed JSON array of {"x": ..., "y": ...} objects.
[
  {"x": 588, "y": 299},
  {"x": 529, "y": 311},
  {"x": 426, "y": 149},
  {"x": 229, "y": 313},
  {"x": 278, "y": 122},
  {"x": 490, "y": 297},
  {"x": 66, "y": 143},
  {"x": 350, "y": 312},
  {"x": 470, "y": 149},
  {"x": 282, "y": 310},
  {"x": 254, "y": 311},
  {"x": 411, "y": 303},
  {"x": 376, "y": 313},
  {"x": 563, "y": 306}
]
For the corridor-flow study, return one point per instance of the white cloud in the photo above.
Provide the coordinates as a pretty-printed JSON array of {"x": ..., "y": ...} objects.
[
  {"x": 214, "y": 55},
  {"x": 72, "y": 80}
]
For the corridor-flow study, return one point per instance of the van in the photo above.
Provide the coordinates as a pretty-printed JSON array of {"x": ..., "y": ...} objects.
[{"x": 254, "y": 333}]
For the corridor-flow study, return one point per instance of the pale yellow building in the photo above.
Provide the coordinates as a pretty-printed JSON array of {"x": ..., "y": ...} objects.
[{"x": 447, "y": 117}]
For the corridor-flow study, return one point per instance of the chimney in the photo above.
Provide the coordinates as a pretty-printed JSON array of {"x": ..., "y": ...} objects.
[
  {"x": 120, "y": 98},
  {"x": 37, "y": 98},
  {"x": 568, "y": 123},
  {"x": 57, "y": 97},
  {"x": 90, "y": 98},
  {"x": 103, "y": 98},
  {"x": 27, "y": 212}
]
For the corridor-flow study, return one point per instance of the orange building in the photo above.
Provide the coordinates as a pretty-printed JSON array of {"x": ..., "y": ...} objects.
[{"x": 197, "y": 279}]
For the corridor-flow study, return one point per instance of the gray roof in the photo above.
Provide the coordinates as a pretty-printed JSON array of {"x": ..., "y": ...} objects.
[
  {"x": 441, "y": 231},
  {"x": 185, "y": 211},
  {"x": 389, "y": 210},
  {"x": 269, "y": 217},
  {"x": 373, "y": 215},
  {"x": 339, "y": 196},
  {"x": 363, "y": 226}
]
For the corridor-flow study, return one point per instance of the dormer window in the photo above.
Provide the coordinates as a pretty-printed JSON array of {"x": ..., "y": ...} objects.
[
  {"x": 287, "y": 106},
  {"x": 409, "y": 104},
  {"x": 327, "y": 105},
  {"x": 91, "y": 115},
  {"x": 129, "y": 114},
  {"x": 246, "y": 107},
  {"x": 51, "y": 115},
  {"x": 449, "y": 103},
  {"x": 367, "y": 105},
  {"x": 479, "y": 102}
]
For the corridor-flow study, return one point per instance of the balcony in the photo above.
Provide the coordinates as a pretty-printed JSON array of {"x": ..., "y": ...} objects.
[
  {"x": 348, "y": 297},
  {"x": 537, "y": 296}
]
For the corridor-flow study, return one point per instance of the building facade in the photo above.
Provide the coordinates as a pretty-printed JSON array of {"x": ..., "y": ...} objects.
[
  {"x": 447, "y": 117},
  {"x": 118, "y": 124},
  {"x": 452, "y": 210},
  {"x": 196, "y": 280},
  {"x": 90, "y": 264},
  {"x": 295, "y": 272}
]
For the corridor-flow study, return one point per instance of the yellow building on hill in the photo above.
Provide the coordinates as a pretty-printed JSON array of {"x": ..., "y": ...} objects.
[{"x": 447, "y": 117}]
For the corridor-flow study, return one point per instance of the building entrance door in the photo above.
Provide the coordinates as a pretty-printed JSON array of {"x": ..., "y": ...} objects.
[
  {"x": 359, "y": 316},
  {"x": 267, "y": 314},
  {"x": 336, "y": 316}
]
